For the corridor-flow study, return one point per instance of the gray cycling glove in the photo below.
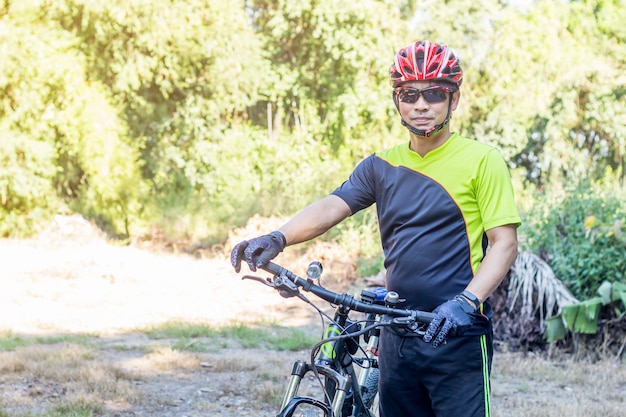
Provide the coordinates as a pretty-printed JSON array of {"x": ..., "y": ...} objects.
[
  {"x": 453, "y": 318},
  {"x": 258, "y": 251}
]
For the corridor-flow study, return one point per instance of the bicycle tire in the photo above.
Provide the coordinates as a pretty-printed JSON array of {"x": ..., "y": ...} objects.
[
  {"x": 371, "y": 388},
  {"x": 307, "y": 413}
]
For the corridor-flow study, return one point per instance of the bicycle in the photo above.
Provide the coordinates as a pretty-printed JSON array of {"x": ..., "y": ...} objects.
[{"x": 336, "y": 356}]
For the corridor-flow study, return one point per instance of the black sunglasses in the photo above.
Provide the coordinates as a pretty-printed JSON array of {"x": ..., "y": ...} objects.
[{"x": 434, "y": 94}]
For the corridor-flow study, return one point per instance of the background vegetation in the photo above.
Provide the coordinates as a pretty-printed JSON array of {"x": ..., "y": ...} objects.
[{"x": 186, "y": 118}]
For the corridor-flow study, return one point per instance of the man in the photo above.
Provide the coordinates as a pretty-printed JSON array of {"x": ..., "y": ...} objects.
[{"x": 441, "y": 200}]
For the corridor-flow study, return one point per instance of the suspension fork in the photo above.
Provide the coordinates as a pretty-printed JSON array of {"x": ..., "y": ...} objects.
[
  {"x": 328, "y": 364},
  {"x": 341, "y": 383}
]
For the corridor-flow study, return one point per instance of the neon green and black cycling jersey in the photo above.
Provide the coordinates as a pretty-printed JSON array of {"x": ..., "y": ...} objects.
[{"x": 433, "y": 212}]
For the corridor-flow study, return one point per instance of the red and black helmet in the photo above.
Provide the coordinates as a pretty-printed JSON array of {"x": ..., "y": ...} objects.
[{"x": 426, "y": 61}]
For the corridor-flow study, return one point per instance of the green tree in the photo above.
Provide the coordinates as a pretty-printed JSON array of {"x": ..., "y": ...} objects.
[
  {"x": 149, "y": 112},
  {"x": 544, "y": 84},
  {"x": 331, "y": 62},
  {"x": 180, "y": 78},
  {"x": 61, "y": 132}
]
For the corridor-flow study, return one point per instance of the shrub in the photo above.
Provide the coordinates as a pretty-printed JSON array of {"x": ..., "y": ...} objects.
[{"x": 581, "y": 235}]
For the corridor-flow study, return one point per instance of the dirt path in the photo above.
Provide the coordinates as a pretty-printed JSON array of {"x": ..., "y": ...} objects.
[{"x": 93, "y": 286}]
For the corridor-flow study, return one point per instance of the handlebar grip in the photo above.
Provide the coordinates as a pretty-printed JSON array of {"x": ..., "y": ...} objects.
[
  {"x": 272, "y": 268},
  {"x": 424, "y": 316}
]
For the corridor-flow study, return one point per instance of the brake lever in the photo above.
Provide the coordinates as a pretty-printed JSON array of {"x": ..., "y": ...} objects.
[
  {"x": 265, "y": 281},
  {"x": 410, "y": 323},
  {"x": 285, "y": 287}
]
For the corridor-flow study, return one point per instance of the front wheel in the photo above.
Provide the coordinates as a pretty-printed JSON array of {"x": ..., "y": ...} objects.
[
  {"x": 371, "y": 390},
  {"x": 309, "y": 413},
  {"x": 305, "y": 407}
]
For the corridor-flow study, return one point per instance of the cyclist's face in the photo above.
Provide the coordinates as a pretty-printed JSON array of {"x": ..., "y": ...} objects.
[{"x": 424, "y": 104}]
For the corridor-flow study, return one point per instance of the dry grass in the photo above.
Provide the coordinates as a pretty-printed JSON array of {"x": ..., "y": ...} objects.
[
  {"x": 61, "y": 377},
  {"x": 165, "y": 358},
  {"x": 529, "y": 385},
  {"x": 104, "y": 381},
  {"x": 243, "y": 362}
]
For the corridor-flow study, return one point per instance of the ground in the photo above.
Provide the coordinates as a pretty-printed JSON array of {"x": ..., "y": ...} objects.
[{"x": 70, "y": 282}]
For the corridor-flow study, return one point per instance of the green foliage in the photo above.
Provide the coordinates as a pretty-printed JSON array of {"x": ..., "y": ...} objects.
[
  {"x": 64, "y": 138},
  {"x": 331, "y": 61},
  {"x": 543, "y": 83},
  {"x": 581, "y": 133},
  {"x": 222, "y": 183},
  {"x": 582, "y": 236},
  {"x": 274, "y": 337},
  {"x": 178, "y": 330},
  {"x": 293, "y": 340},
  {"x": 10, "y": 341},
  {"x": 26, "y": 172},
  {"x": 583, "y": 317},
  {"x": 360, "y": 236},
  {"x": 178, "y": 82},
  {"x": 149, "y": 114},
  {"x": 370, "y": 266},
  {"x": 77, "y": 408}
]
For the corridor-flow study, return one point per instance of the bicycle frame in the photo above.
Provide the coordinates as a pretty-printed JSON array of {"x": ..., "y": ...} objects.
[{"x": 335, "y": 363}]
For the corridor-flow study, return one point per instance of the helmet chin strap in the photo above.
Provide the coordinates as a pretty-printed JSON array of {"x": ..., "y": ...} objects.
[
  {"x": 427, "y": 133},
  {"x": 432, "y": 131}
]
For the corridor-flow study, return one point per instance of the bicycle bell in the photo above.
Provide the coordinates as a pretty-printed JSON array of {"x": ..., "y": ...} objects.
[{"x": 392, "y": 298}]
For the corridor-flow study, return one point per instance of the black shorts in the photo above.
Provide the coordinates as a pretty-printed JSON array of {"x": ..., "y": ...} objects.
[{"x": 452, "y": 380}]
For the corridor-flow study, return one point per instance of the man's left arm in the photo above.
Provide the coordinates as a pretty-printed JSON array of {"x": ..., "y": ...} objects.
[
  {"x": 454, "y": 316},
  {"x": 497, "y": 262}
]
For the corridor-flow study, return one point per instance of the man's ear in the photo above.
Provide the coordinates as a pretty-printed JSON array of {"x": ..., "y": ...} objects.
[{"x": 456, "y": 97}]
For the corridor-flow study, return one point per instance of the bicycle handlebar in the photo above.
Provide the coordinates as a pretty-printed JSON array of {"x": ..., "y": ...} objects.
[{"x": 345, "y": 299}]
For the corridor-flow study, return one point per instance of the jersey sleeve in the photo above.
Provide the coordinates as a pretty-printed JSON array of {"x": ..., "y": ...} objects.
[
  {"x": 495, "y": 193},
  {"x": 359, "y": 190}
]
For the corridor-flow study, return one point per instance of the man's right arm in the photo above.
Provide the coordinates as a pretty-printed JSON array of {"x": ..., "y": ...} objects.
[
  {"x": 307, "y": 224},
  {"x": 315, "y": 219}
]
